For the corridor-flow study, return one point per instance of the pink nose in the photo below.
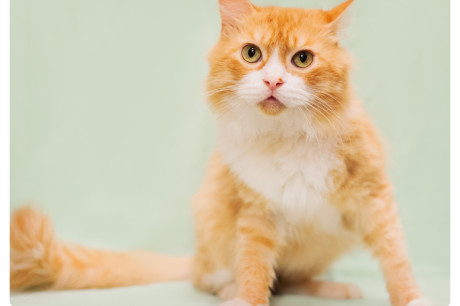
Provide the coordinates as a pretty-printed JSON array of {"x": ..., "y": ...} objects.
[{"x": 274, "y": 83}]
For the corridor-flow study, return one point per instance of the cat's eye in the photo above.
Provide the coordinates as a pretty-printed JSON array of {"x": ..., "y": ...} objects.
[
  {"x": 302, "y": 59},
  {"x": 251, "y": 53}
]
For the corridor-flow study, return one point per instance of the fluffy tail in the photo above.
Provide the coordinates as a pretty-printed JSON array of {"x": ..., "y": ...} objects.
[{"x": 38, "y": 259}]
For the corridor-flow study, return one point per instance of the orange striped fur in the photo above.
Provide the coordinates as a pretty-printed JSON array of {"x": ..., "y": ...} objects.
[{"x": 39, "y": 260}]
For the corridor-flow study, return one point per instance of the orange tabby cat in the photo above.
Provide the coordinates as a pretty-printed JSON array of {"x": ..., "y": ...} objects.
[{"x": 297, "y": 178}]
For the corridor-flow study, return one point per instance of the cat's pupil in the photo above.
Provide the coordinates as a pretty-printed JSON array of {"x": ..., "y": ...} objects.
[
  {"x": 303, "y": 57},
  {"x": 251, "y": 52}
]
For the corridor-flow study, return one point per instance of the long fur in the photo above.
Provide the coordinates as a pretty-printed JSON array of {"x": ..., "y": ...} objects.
[
  {"x": 39, "y": 259},
  {"x": 288, "y": 190}
]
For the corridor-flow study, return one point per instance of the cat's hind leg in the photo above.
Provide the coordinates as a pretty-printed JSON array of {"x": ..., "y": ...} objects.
[
  {"x": 227, "y": 292},
  {"x": 322, "y": 289}
]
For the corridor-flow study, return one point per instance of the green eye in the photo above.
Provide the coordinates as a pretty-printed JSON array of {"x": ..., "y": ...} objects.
[
  {"x": 302, "y": 59},
  {"x": 251, "y": 53}
]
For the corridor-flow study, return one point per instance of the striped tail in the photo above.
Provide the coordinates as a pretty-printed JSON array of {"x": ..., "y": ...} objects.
[{"x": 38, "y": 259}]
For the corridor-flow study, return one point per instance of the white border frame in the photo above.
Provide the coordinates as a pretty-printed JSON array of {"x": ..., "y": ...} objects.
[
  {"x": 454, "y": 152},
  {"x": 5, "y": 149}
]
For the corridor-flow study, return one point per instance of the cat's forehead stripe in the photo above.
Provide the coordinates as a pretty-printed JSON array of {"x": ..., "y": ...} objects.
[{"x": 272, "y": 38}]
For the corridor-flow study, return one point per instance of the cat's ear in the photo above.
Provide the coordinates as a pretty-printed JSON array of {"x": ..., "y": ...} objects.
[
  {"x": 338, "y": 17},
  {"x": 232, "y": 11}
]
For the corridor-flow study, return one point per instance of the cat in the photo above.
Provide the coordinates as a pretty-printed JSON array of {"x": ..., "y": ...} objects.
[{"x": 296, "y": 180}]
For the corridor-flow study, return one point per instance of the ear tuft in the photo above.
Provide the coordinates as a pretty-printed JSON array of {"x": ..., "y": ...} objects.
[
  {"x": 338, "y": 11},
  {"x": 232, "y": 11},
  {"x": 338, "y": 20}
]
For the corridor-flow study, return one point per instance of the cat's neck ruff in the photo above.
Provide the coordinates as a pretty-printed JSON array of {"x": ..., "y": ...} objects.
[
  {"x": 284, "y": 159},
  {"x": 248, "y": 123}
]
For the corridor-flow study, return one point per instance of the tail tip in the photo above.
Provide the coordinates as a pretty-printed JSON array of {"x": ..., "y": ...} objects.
[
  {"x": 31, "y": 244},
  {"x": 29, "y": 228}
]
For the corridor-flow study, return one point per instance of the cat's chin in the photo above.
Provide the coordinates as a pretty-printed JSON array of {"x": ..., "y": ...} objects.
[{"x": 271, "y": 106}]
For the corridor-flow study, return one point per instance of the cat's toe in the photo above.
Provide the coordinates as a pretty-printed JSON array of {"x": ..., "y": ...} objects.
[
  {"x": 228, "y": 292},
  {"x": 333, "y": 290},
  {"x": 353, "y": 292},
  {"x": 235, "y": 302},
  {"x": 238, "y": 302},
  {"x": 421, "y": 302}
]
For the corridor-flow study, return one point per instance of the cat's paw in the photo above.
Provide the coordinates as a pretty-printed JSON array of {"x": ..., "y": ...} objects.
[
  {"x": 343, "y": 291},
  {"x": 238, "y": 302},
  {"x": 421, "y": 302},
  {"x": 228, "y": 292},
  {"x": 235, "y": 302},
  {"x": 333, "y": 290}
]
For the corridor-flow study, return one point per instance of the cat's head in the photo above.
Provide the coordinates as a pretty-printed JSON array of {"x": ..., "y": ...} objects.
[{"x": 272, "y": 61}]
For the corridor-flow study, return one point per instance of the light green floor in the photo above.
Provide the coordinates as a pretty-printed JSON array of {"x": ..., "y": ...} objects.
[
  {"x": 358, "y": 268},
  {"x": 182, "y": 293}
]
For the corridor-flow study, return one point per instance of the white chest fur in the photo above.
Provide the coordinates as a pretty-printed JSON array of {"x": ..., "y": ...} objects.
[{"x": 292, "y": 173}]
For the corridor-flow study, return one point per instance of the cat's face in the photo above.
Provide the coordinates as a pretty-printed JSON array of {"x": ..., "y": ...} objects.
[{"x": 277, "y": 60}]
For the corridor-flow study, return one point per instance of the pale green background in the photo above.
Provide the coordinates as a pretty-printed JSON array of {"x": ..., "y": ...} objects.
[{"x": 110, "y": 132}]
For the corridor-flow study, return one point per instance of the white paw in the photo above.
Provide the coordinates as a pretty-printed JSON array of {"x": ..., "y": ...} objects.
[
  {"x": 235, "y": 302},
  {"x": 420, "y": 302},
  {"x": 228, "y": 292},
  {"x": 354, "y": 292},
  {"x": 238, "y": 302}
]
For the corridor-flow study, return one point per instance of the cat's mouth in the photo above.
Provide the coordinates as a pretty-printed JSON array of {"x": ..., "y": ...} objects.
[{"x": 271, "y": 106}]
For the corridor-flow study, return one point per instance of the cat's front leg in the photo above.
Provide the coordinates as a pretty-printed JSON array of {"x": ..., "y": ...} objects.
[
  {"x": 384, "y": 236},
  {"x": 254, "y": 258}
]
